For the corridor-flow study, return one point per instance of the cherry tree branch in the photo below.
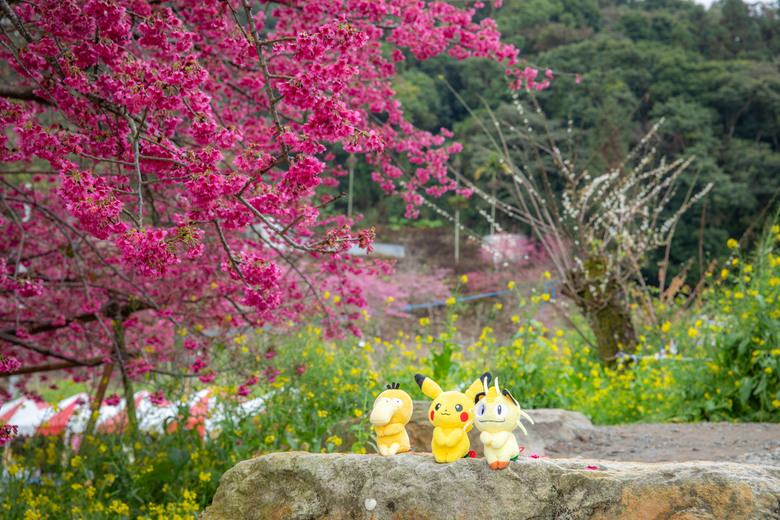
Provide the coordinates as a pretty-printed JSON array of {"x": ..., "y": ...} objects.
[
  {"x": 266, "y": 74},
  {"x": 227, "y": 250},
  {"x": 22, "y": 93},
  {"x": 15, "y": 340},
  {"x": 279, "y": 233}
]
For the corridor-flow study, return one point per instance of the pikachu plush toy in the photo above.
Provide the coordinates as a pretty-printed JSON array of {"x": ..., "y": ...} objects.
[{"x": 451, "y": 414}]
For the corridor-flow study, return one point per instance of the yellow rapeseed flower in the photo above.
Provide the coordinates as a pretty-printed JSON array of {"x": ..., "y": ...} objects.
[
  {"x": 731, "y": 243},
  {"x": 119, "y": 507},
  {"x": 666, "y": 326},
  {"x": 464, "y": 279},
  {"x": 692, "y": 332},
  {"x": 511, "y": 285},
  {"x": 724, "y": 274},
  {"x": 205, "y": 477}
]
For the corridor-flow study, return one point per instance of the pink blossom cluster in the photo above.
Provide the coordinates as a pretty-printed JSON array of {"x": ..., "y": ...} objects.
[
  {"x": 92, "y": 202},
  {"x": 8, "y": 364},
  {"x": 7, "y": 432},
  {"x": 527, "y": 77},
  {"x": 148, "y": 251}
]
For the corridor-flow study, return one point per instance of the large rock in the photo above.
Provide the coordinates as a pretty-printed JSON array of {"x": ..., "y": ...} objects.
[
  {"x": 551, "y": 426},
  {"x": 303, "y": 486}
]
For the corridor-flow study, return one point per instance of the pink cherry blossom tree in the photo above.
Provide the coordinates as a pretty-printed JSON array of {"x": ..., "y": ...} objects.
[{"x": 160, "y": 165}]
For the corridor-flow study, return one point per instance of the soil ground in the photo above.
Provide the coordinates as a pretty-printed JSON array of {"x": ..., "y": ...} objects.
[{"x": 745, "y": 443}]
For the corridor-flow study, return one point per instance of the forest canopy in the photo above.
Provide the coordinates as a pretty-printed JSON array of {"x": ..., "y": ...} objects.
[{"x": 618, "y": 67}]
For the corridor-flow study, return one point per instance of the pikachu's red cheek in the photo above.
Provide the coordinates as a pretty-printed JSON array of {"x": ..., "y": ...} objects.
[
  {"x": 464, "y": 416},
  {"x": 431, "y": 415}
]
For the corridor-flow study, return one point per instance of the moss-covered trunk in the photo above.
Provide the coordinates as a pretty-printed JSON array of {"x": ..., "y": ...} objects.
[
  {"x": 602, "y": 300},
  {"x": 613, "y": 329},
  {"x": 127, "y": 383}
]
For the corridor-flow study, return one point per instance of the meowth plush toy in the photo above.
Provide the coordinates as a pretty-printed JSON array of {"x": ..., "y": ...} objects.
[
  {"x": 451, "y": 415},
  {"x": 392, "y": 410},
  {"x": 496, "y": 415}
]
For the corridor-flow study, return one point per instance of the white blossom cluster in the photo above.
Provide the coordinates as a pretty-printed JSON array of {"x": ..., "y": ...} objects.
[{"x": 609, "y": 220}]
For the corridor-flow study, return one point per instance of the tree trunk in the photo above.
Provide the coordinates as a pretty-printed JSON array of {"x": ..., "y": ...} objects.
[
  {"x": 604, "y": 305},
  {"x": 613, "y": 329},
  {"x": 127, "y": 383},
  {"x": 95, "y": 408}
]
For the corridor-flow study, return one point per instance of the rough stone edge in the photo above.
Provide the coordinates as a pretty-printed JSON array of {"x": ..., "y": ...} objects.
[{"x": 239, "y": 487}]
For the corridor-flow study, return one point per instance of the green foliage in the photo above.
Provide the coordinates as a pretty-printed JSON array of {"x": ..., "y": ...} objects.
[
  {"x": 741, "y": 336},
  {"x": 397, "y": 223},
  {"x": 419, "y": 99}
]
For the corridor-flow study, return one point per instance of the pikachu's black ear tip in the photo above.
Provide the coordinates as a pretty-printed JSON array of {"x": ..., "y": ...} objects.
[
  {"x": 419, "y": 378},
  {"x": 486, "y": 375}
]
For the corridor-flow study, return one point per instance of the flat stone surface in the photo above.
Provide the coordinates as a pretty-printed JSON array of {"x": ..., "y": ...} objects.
[
  {"x": 751, "y": 443},
  {"x": 296, "y": 485}
]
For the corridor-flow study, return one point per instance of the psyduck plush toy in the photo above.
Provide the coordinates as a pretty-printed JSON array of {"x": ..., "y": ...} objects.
[
  {"x": 496, "y": 415},
  {"x": 451, "y": 414},
  {"x": 392, "y": 410}
]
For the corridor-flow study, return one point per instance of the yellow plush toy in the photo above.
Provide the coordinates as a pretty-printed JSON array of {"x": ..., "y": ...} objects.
[
  {"x": 451, "y": 415},
  {"x": 392, "y": 410},
  {"x": 496, "y": 415}
]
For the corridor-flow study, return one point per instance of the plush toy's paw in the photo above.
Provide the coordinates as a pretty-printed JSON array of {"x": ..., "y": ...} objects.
[
  {"x": 502, "y": 464},
  {"x": 494, "y": 465},
  {"x": 383, "y": 450},
  {"x": 393, "y": 448}
]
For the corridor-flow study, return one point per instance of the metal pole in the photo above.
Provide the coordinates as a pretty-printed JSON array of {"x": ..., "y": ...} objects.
[
  {"x": 457, "y": 227},
  {"x": 457, "y": 236},
  {"x": 351, "y": 161}
]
